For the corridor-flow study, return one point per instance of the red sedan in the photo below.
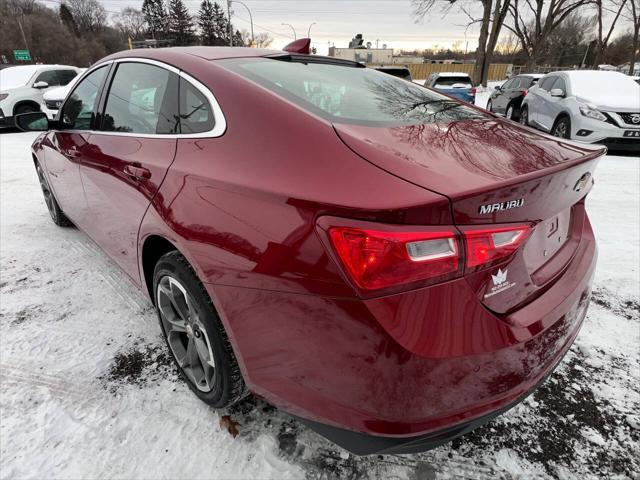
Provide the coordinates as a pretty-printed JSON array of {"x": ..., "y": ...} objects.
[{"x": 390, "y": 265}]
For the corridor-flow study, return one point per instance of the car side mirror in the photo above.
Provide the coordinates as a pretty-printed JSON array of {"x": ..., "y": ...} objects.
[
  {"x": 32, "y": 122},
  {"x": 556, "y": 92},
  {"x": 498, "y": 87},
  {"x": 40, "y": 85}
]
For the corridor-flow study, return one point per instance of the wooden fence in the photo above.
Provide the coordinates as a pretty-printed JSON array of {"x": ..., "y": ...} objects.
[{"x": 420, "y": 71}]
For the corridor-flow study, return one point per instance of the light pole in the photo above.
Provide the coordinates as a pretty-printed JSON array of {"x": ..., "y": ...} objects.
[
  {"x": 295, "y": 37},
  {"x": 250, "y": 17},
  {"x": 309, "y": 30}
]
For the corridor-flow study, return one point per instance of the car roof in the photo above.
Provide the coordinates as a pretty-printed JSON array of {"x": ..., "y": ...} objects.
[
  {"x": 206, "y": 53},
  {"x": 453, "y": 74},
  {"x": 533, "y": 75}
]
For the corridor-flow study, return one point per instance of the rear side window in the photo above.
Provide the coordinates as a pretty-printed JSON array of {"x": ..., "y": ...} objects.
[
  {"x": 526, "y": 82},
  {"x": 195, "y": 111},
  {"x": 450, "y": 81},
  {"x": 136, "y": 100},
  {"x": 348, "y": 94},
  {"x": 78, "y": 110}
]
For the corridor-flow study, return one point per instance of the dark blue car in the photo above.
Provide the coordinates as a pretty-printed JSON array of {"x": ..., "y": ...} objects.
[{"x": 455, "y": 84}]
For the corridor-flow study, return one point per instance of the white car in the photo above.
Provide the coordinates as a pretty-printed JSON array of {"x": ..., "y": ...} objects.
[
  {"x": 586, "y": 105},
  {"x": 52, "y": 99},
  {"x": 22, "y": 87}
]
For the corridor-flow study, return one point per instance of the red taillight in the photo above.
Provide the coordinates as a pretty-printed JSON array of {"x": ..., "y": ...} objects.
[
  {"x": 390, "y": 258},
  {"x": 524, "y": 93},
  {"x": 377, "y": 259},
  {"x": 487, "y": 245},
  {"x": 472, "y": 91}
]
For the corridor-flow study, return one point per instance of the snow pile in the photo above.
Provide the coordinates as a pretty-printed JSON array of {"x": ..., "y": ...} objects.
[{"x": 87, "y": 388}]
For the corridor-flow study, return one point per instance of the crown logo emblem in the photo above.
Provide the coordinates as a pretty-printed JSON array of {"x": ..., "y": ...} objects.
[{"x": 500, "y": 277}]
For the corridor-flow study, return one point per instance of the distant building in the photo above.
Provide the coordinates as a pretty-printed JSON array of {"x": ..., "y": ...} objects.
[
  {"x": 408, "y": 59},
  {"x": 364, "y": 55}
]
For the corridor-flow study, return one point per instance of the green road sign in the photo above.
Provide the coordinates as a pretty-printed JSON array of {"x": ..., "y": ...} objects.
[{"x": 22, "y": 55}]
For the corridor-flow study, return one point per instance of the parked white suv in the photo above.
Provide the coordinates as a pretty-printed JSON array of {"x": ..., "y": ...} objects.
[
  {"x": 589, "y": 106},
  {"x": 22, "y": 87},
  {"x": 53, "y": 99}
]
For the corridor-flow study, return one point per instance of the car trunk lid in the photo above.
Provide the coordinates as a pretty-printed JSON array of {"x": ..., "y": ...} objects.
[{"x": 495, "y": 173}]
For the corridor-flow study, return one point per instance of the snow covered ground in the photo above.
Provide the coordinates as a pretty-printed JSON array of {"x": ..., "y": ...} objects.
[{"x": 87, "y": 389}]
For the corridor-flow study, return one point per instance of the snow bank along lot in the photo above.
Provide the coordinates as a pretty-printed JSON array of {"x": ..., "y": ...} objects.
[{"x": 87, "y": 389}]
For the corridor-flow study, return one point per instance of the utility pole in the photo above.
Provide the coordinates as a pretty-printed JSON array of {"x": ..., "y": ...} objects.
[
  {"x": 253, "y": 39},
  {"x": 24, "y": 38},
  {"x": 230, "y": 26}
]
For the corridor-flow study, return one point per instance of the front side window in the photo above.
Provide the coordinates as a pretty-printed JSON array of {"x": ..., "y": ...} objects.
[
  {"x": 559, "y": 83},
  {"x": 546, "y": 83},
  {"x": 65, "y": 76},
  {"x": 78, "y": 110},
  {"x": 135, "y": 102},
  {"x": 51, "y": 77},
  {"x": 346, "y": 94},
  {"x": 195, "y": 112}
]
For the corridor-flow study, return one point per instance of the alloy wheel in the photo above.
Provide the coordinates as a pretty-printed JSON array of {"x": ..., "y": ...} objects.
[
  {"x": 561, "y": 130},
  {"x": 186, "y": 334},
  {"x": 510, "y": 112},
  {"x": 524, "y": 116},
  {"x": 46, "y": 191}
]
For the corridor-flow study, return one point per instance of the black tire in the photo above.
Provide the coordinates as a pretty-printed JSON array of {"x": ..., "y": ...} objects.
[
  {"x": 524, "y": 116},
  {"x": 562, "y": 128},
  {"x": 490, "y": 105},
  {"x": 227, "y": 384},
  {"x": 512, "y": 112},
  {"x": 57, "y": 215}
]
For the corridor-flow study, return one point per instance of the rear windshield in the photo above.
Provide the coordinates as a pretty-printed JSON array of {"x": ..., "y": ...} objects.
[
  {"x": 345, "y": 94},
  {"x": 451, "y": 81}
]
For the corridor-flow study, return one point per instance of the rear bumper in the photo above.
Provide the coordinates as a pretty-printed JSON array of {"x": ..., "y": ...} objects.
[
  {"x": 363, "y": 444},
  {"x": 406, "y": 372}
]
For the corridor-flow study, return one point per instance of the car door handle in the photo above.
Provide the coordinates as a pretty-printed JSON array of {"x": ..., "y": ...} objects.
[{"x": 137, "y": 172}]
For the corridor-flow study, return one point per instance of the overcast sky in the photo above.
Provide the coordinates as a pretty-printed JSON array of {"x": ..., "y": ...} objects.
[{"x": 337, "y": 21}]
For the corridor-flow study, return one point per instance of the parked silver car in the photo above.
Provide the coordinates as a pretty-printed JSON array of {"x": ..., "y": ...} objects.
[{"x": 590, "y": 106}]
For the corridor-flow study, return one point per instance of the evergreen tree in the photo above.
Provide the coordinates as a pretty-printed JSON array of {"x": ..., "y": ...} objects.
[
  {"x": 180, "y": 23},
  {"x": 207, "y": 23},
  {"x": 67, "y": 19},
  {"x": 155, "y": 16},
  {"x": 221, "y": 25},
  {"x": 238, "y": 41}
]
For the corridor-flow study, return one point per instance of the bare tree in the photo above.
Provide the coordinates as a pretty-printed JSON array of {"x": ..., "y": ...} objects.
[
  {"x": 262, "y": 39},
  {"x": 603, "y": 8},
  {"x": 491, "y": 21},
  {"x": 132, "y": 23},
  {"x": 633, "y": 14},
  {"x": 90, "y": 15},
  {"x": 533, "y": 21}
]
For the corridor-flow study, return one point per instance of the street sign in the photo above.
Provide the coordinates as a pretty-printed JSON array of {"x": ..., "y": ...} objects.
[{"x": 22, "y": 55}]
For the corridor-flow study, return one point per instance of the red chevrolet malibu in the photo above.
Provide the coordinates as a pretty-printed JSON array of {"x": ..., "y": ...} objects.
[{"x": 389, "y": 265}]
